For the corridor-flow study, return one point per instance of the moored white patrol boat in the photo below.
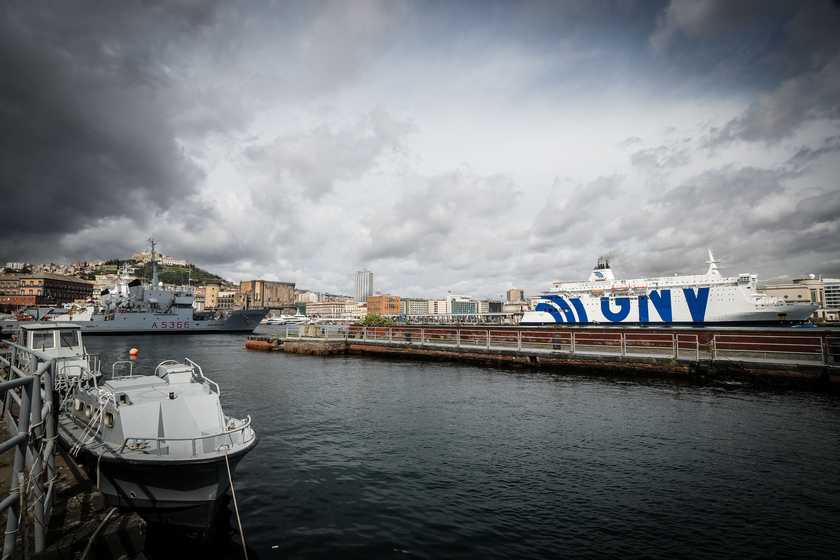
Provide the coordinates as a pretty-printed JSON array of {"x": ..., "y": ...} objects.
[
  {"x": 702, "y": 299},
  {"x": 157, "y": 444}
]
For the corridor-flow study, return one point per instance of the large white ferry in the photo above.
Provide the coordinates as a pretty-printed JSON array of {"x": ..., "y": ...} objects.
[{"x": 702, "y": 299}]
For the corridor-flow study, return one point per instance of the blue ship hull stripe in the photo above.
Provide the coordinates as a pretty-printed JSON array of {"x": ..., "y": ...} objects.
[{"x": 581, "y": 312}]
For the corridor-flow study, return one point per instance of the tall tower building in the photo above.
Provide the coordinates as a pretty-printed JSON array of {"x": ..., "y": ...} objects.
[{"x": 364, "y": 285}]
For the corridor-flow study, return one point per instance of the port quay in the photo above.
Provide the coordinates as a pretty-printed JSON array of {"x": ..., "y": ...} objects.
[{"x": 807, "y": 358}]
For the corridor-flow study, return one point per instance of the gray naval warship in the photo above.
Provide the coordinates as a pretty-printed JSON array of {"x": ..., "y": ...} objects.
[{"x": 129, "y": 307}]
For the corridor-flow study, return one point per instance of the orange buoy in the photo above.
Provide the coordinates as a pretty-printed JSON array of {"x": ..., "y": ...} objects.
[{"x": 133, "y": 352}]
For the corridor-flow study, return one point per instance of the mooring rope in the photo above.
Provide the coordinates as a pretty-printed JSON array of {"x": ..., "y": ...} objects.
[
  {"x": 235, "y": 505},
  {"x": 95, "y": 533},
  {"x": 93, "y": 427}
]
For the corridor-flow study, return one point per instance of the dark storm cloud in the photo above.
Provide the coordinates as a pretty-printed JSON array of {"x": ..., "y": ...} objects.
[
  {"x": 794, "y": 60},
  {"x": 85, "y": 137},
  {"x": 723, "y": 27},
  {"x": 819, "y": 209}
]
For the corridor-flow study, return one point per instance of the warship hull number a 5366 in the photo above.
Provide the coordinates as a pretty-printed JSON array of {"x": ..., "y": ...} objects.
[{"x": 703, "y": 299}]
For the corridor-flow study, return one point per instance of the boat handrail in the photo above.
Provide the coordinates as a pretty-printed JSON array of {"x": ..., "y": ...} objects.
[
  {"x": 226, "y": 434},
  {"x": 94, "y": 364},
  {"x": 197, "y": 373},
  {"x": 130, "y": 369},
  {"x": 201, "y": 377},
  {"x": 165, "y": 363}
]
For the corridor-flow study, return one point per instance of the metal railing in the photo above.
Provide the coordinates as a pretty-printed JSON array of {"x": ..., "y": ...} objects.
[
  {"x": 28, "y": 387},
  {"x": 772, "y": 347},
  {"x": 618, "y": 343},
  {"x": 766, "y": 348},
  {"x": 161, "y": 447},
  {"x": 309, "y": 332}
]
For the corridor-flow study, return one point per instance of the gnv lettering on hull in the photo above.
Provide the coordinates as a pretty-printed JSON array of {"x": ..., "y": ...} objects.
[
  {"x": 618, "y": 316},
  {"x": 697, "y": 303},
  {"x": 171, "y": 325},
  {"x": 660, "y": 301}
]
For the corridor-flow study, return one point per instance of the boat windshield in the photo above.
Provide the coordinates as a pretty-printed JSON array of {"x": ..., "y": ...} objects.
[
  {"x": 68, "y": 338},
  {"x": 42, "y": 340}
]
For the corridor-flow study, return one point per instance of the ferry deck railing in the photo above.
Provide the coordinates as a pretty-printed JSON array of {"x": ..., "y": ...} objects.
[
  {"x": 770, "y": 347},
  {"x": 28, "y": 412}
]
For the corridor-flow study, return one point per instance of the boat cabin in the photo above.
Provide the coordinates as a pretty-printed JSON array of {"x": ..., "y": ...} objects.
[
  {"x": 61, "y": 342},
  {"x": 55, "y": 339}
]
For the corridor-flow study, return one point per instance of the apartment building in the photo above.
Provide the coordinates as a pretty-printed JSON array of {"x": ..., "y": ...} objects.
[
  {"x": 383, "y": 305},
  {"x": 414, "y": 306},
  {"x": 326, "y": 310},
  {"x": 438, "y": 307},
  {"x": 515, "y": 295},
  {"x": 42, "y": 290},
  {"x": 364, "y": 285}
]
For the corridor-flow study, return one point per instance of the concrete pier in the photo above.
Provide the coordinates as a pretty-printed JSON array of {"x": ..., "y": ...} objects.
[{"x": 801, "y": 358}]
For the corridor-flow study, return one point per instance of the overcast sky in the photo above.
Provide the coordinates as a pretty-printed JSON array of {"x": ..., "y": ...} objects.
[{"x": 464, "y": 147}]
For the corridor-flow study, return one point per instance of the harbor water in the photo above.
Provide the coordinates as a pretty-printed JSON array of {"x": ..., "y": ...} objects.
[{"x": 375, "y": 459}]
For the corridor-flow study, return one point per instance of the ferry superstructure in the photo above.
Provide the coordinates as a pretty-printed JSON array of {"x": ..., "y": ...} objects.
[{"x": 702, "y": 299}]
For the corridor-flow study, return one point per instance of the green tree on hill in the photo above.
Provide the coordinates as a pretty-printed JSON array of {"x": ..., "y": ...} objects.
[{"x": 179, "y": 275}]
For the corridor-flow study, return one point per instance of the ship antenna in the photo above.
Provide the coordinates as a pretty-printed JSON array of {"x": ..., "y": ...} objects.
[{"x": 154, "y": 265}]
